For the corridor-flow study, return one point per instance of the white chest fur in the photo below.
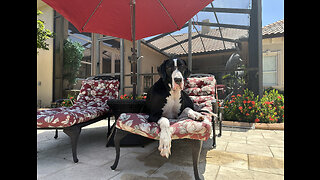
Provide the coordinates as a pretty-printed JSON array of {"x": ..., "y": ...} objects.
[{"x": 172, "y": 107}]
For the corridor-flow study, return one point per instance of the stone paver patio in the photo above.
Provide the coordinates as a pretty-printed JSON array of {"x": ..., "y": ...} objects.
[{"x": 240, "y": 154}]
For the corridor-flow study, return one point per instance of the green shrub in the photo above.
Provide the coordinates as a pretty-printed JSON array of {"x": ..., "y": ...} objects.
[
  {"x": 271, "y": 107},
  {"x": 72, "y": 56}
]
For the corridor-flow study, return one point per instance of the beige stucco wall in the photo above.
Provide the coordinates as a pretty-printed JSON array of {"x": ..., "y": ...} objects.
[
  {"x": 45, "y": 61},
  {"x": 275, "y": 47},
  {"x": 151, "y": 58}
]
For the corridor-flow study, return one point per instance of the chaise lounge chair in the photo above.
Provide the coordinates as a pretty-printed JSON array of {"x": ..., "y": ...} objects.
[
  {"x": 203, "y": 93},
  {"x": 90, "y": 107}
]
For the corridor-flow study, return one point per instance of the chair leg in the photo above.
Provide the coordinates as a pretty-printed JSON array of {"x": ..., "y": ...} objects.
[
  {"x": 196, "y": 149},
  {"x": 220, "y": 122},
  {"x": 119, "y": 134},
  {"x": 56, "y": 134},
  {"x": 109, "y": 129},
  {"x": 214, "y": 133},
  {"x": 220, "y": 125},
  {"x": 73, "y": 132},
  {"x": 216, "y": 111},
  {"x": 112, "y": 131}
]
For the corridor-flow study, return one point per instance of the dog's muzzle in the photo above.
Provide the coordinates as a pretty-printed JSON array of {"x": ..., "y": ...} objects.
[
  {"x": 177, "y": 77},
  {"x": 177, "y": 80}
]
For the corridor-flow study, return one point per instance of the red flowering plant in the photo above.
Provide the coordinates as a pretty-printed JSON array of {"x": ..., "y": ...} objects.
[
  {"x": 271, "y": 107},
  {"x": 241, "y": 107},
  {"x": 248, "y": 108},
  {"x": 69, "y": 101},
  {"x": 125, "y": 96}
]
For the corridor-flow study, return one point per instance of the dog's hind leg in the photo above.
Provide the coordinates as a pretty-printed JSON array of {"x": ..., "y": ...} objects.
[
  {"x": 193, "y": 114},
  {"x": 165, "y": 137}
]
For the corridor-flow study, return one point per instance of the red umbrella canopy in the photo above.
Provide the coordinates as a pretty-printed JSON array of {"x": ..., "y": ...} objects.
[{"x": 113, "y": 17}]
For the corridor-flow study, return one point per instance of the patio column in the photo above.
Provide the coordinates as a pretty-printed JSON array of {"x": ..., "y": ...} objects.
[
  {"x": 139, "y": 67},
  {"x": 189, "y": 45},
  {"x": 122, "y": 58},
  {"x": 61, "y": 33},
  {"x": 255, "y": 49},
  {"x": 95, "y": 54}
]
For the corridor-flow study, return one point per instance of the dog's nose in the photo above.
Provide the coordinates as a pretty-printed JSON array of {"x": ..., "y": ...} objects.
[{"x": 177, "y": 80}]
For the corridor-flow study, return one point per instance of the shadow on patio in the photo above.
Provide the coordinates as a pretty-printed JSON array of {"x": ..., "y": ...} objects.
[{"x": 240, "y": 154}]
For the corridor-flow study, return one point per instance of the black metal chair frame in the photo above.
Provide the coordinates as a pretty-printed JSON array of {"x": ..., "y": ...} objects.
[
  {"x": 216, "y": 109},
  {"x": 74, "y": 132},
  {"x": 196, "y": 145}
]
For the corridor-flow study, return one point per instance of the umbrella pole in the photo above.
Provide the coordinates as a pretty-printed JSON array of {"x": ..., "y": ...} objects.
[{"x": 134, "y": 53}]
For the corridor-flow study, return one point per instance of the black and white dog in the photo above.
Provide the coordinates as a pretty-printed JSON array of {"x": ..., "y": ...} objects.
[{"x": 166, "y": 100}]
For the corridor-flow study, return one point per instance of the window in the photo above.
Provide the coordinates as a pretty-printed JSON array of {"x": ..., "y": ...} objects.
[
  {"x": 110, "y": 57},
  {"x": 133, "y": 67},
  {"x": 106, "y": 61},
  {"x": 148, "y": 82},
  {"x": 117, "y": 67},
  {"x": 269, "y": 70}
]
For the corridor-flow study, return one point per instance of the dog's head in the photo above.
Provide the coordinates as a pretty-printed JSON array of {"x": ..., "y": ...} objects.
[{"x": 173, "y": 72}]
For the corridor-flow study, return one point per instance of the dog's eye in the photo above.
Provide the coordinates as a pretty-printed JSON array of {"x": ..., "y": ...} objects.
[{"x": 182, "y": 67}]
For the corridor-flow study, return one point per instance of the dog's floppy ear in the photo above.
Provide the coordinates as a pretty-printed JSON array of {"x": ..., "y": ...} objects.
[
  {"x": 187, "y": 72},
  {"x": 162, "y": 70}
]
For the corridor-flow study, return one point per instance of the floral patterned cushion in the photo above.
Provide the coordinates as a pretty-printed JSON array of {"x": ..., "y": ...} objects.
[
  {"x": 195, "y": 82},
  {"x": 137, "y": 123},
  {"x": 97, "y": 92},
  {"x": 204, "y": 86},
  {"x": 201, "y": 91},
  {"x": 91, "y": 103},
  {"x": 203, "y": 102}
]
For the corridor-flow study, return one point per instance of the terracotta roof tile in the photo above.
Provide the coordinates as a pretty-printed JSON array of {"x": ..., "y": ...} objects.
[
  {"x": 274, "y": 28},
  {"x": 212, "y": 45},
  {"x": 197, "y": 47}
]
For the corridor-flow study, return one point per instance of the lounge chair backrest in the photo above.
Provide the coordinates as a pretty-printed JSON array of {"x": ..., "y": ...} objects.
[
  {"x": 202, "y": 91},
  {"x": 97, "y": 92}
]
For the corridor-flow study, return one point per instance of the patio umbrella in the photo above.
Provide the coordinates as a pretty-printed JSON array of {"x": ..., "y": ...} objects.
[{"x": 128, "y": 19}]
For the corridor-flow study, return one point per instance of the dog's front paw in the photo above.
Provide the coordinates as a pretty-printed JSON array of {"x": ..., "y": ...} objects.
[{"x": 165, "y": 143}]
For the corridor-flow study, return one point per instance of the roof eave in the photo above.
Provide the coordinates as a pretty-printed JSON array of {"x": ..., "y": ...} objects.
[{"x": 272, "y": 35}]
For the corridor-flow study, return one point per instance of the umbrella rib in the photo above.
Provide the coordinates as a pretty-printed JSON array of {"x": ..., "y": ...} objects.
[
  {"x": 168, "y": 14},
  {"x": 91, "y": 15}
]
